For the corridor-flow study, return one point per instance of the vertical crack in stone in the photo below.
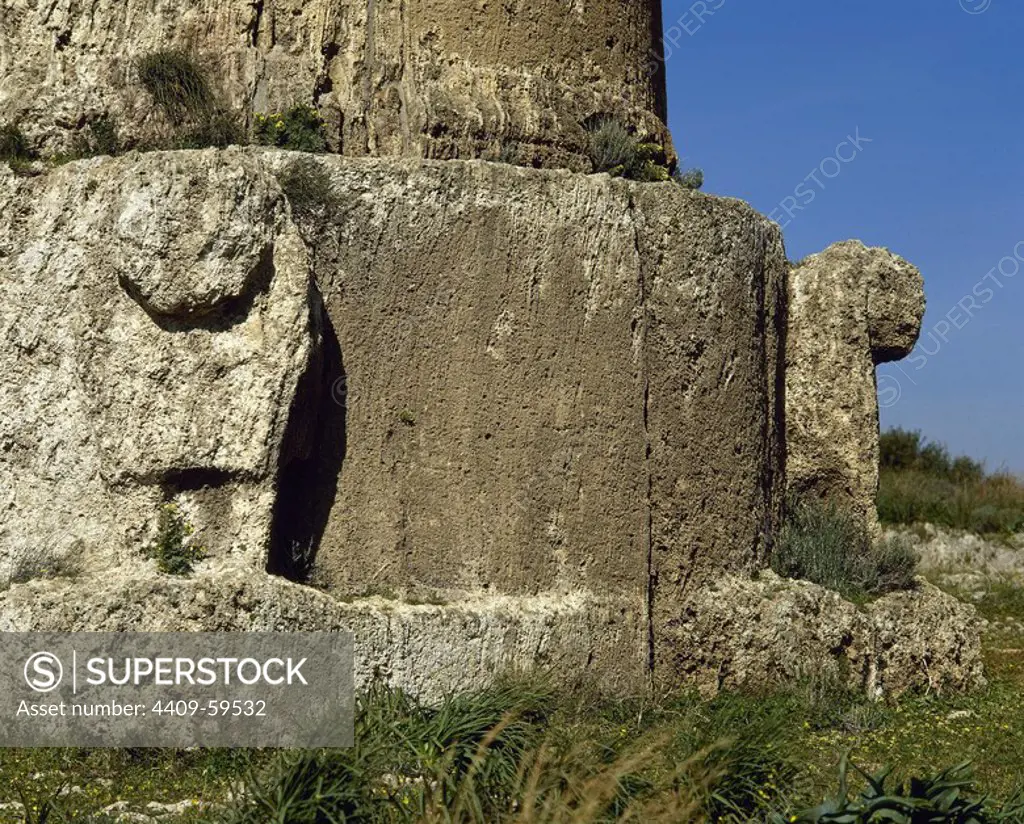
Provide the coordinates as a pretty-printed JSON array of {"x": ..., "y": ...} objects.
[
  {"x": 369, "y": 67},
  {"x": 648, "y": 479},
  {"x": 254, "y": 24}
]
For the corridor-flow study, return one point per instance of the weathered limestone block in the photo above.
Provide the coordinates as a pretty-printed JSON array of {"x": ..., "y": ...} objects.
[
  {"x": 521, "y": 384},
  {"x": 435, "y": 78},
  {"x": 549, "y": 404},
  {"x": 155, "y": 320},
  {"x": 555, "y": 383},
  {"x": 429, "y": 650},
  {"x": 850, "y": 308},
  {"x": 741, "y": 632}
]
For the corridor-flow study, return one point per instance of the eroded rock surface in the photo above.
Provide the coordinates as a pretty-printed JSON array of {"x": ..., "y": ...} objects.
[
  {"x": 435, "y": 78},
  {"x": 554, "y": 382},
  {"x": 548, "y": 404},
  {"x": 429, "y": 650},
  {"x": 521, "y": 383},
  {"x": 155, "y": 321},
  {"x": 851, "y": 308},
  {"x": 742, "y": 632}
]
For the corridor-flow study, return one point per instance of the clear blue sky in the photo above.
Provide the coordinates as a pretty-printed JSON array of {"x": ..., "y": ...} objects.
[{"x": 761, "y": 93}]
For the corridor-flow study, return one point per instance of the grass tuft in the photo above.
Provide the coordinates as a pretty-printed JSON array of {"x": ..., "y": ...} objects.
[
  {"x": 827, "y": 545},
  {"x": 181, "y": 90},
  {"x": 308, "y": 188}
]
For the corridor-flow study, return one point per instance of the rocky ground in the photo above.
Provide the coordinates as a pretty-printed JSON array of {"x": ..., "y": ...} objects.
[{"x": 988, "y": 572}]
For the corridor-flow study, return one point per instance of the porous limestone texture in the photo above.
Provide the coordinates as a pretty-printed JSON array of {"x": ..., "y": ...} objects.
[
  {"x": 434, "y": 78},
  {"x": 155, "y": 320},
  {"x": 742, "y": 632},
  {"x": 429, "y": 650},
  {"x": 553, "y": 383},
  {"x": 517, "y": 383},
  {"x": 851, "y": 308}
]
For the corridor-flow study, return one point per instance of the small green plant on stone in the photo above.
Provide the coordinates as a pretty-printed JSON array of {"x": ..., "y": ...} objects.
[
  {"x": 179, "y": 87},
  {"x": 616, "y": 150},
  {"x": 408, "y": 417},
  {"x": 99, "y": 138},
  {"x": 611, "y": 145},
  {"x": 823, "y": 543},
  {"x": 300, "y": 129},
  {"x": 14, "y": 147},
  {"x": 30, "y": 570},
  {"x": 308, "y": 187},
  {"x": 172, "y": 548},
  {"x": 508, "y": 153}
]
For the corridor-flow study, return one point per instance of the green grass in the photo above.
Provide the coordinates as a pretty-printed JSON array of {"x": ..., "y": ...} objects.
[
  {"x": 308, "y": 187},
  {"x": 523, "y": 751},
  {"x": 105, "y": 776},
  {"x": 181, "y": 89},
  {"x": 176, "y": 84},
  {"x": 921, "y": 483}
]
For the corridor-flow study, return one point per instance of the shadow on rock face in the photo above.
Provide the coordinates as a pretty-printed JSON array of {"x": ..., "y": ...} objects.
[{"x": 311, "y": 459}]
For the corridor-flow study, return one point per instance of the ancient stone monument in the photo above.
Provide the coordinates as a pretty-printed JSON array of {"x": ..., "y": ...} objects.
[
  {"x": 450, "y": 79},
  {"x": 499, "y": 416},
  {"x": 851, "y": 308}
]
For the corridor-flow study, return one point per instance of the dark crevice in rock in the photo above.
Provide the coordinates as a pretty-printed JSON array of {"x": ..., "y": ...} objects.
[
  {"x": 176, "y": 481},
  {"x": 312, "y": 456},
  {"x": 652, "y": 577},
  {"x": 771, "y": 323},
  {"x": 254, "y": 25}
]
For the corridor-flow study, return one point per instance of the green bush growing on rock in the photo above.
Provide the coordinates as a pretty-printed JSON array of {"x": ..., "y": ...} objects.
[
  {"x": 14, "y": 147},
  {"x": 13, "y": 144},
  {"x": 172, "y": 548},
  {"x": 307, "y": 185},
  {"x": 99, "y": 138},
  {"x": 616, "y": 150},
  {"x": 822, "y": 543},
  {"x": 300, "y": 129},
  {"x": 179, "y": 87}
]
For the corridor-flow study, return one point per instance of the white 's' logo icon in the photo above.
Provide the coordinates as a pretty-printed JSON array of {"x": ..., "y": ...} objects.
[{"x": 43, "y": 671}]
